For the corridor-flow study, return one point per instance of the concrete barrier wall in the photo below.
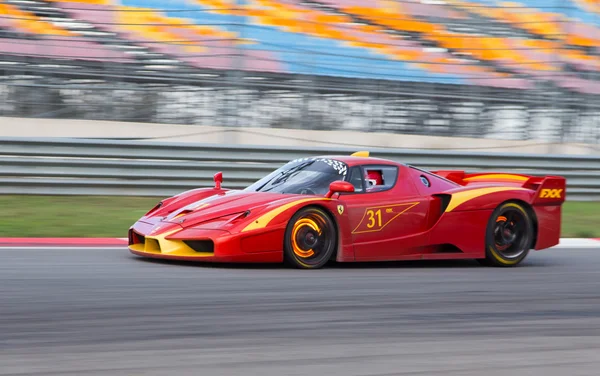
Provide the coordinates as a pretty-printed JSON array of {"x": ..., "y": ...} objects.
[{"x": 31, "y": 127}]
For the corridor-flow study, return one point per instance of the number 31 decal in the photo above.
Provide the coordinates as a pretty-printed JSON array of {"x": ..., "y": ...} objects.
[
  {"x": 376, "y": 218},
  {"x": 372, "y": 218}
]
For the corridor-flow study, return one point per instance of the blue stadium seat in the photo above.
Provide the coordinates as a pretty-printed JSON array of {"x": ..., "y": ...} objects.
[{"x": 302, "y": 54}]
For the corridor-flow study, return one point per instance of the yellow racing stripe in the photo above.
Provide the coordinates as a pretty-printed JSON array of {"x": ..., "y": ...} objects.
[
  {"x": 496, "y": 177},
  {"x": 464, "y": 196},
  {"x": 264, "y": 219}
]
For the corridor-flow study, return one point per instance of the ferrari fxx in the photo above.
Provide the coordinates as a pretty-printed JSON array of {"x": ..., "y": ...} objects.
[{"x": 311, "y": 211}]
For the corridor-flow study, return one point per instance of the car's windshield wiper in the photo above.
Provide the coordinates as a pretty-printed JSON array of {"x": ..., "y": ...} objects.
[{"x": 285, "y": 175}]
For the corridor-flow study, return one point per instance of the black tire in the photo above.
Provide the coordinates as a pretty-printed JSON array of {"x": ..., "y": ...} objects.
[
  {"x": 310, "y": 239},
  {"x": 509, "y": 235}
]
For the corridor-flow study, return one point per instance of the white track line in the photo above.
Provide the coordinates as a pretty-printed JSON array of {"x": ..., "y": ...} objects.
[
  {"x": 573, "y": 243},
  {"x": 578, "y": 243}
]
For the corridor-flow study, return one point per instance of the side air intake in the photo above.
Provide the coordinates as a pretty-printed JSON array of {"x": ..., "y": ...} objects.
[
  {"x": 445, "y": 201},
  {"x": 135, "y": 238},
  {"x": 201, "y": 246}
]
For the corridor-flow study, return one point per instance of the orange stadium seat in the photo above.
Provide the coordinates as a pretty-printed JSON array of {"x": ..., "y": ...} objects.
[
  {"x": 502, "y": 50},
  {"x": 299, "y": 19},
  {"x": 589, "y": 5},
  {"x": 582, "y": 40},
  {"x": 550, "y": 25},
  {"x": 366, "y": 25},
  {"x": 144, "y": 22},
  {"x": 332, "y": 26},
  {"x": 98, "y": 2},
  {"x": 295, "y": 18},
  {"x": 577, "y": 56},
  {"x": 230, "y": 7},
  {"x": 391, "y": 19},
  {"x": 177, "y": 31},
  {"x": 28, "y": 22},
  {"x": 544, "y": 24}
]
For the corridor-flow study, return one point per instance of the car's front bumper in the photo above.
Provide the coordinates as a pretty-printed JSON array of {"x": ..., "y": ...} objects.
[{"x": 207, "y": 245}]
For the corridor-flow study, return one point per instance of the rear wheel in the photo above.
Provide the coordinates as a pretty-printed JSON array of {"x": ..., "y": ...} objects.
[
  {"x": 310, "y": 239},
  {"x": 509, "y": 235}
]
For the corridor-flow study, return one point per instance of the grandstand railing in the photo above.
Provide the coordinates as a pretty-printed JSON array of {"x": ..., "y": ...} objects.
[
  {"x": 133, "y": 168},
  {"x": 280, "y": 102}
]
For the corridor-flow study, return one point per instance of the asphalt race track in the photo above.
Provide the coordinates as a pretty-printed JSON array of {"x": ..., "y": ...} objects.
[{"x": 106, "y": 312}]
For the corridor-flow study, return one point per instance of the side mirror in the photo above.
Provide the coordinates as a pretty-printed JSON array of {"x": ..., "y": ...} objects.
[
  {"x": 218, "y": 178},
  {"x": 339, "y": 186}
]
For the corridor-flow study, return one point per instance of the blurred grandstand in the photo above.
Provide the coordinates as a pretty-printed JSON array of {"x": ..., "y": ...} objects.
[{"x": 474, "y": 68}]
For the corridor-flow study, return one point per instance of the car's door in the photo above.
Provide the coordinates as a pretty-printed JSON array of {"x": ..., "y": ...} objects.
[{"x": 387, "y": 220}]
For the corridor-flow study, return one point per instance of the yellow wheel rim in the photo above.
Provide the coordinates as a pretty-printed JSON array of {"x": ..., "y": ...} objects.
[
  {"x": 507, "y": 247},
  {"x": 300, "y": 225}
]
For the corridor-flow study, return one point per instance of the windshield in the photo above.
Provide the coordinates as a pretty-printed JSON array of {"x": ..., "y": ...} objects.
[{"x": 304, "y": 176}]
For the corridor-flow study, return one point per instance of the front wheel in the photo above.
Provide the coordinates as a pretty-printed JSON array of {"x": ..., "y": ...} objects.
[
  {"x": 310, "y": 239},
  {"x": 509, "y": 235}
]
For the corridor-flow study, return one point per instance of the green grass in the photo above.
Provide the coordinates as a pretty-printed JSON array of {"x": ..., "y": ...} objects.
[
  {"x": 581, "y": 220},
  {"x": 70, "y": 216},
  {"x": 99, "y": 216}
]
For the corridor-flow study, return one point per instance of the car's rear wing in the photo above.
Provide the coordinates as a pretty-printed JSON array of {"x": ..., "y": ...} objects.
[{"x": 549, "y": 189}]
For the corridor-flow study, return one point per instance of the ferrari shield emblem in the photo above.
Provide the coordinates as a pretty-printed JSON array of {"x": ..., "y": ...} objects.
[{"x": 340, "y": 209}]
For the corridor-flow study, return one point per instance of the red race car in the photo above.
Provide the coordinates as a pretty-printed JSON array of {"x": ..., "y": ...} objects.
[{"x": 357, "y": 208}]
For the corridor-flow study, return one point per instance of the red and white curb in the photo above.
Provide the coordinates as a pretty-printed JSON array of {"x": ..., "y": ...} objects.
[{"x": 89, "y": 243}]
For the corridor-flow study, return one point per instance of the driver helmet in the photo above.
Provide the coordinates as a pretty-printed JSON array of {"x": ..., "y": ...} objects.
[{"x": 374, "y": 178}]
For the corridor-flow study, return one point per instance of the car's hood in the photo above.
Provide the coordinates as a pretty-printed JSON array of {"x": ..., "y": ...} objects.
[{"x": 216, "y": 210}]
